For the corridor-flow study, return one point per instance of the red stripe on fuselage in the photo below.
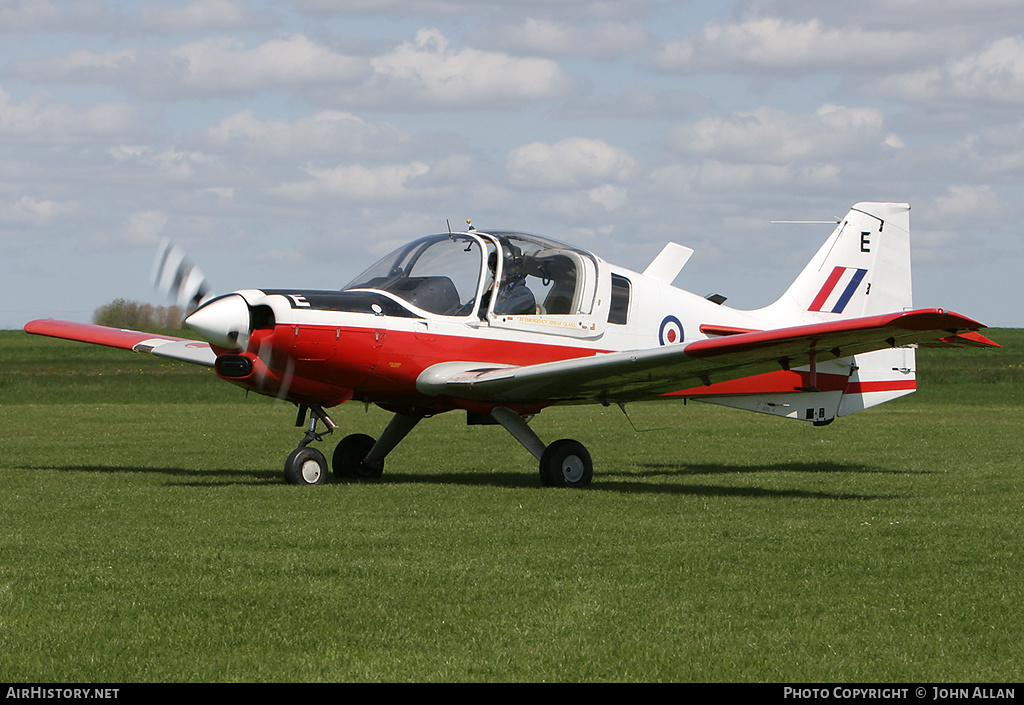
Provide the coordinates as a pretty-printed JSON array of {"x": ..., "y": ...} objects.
[
  {"x": 780, "y": 382},
  {"x": 382, "y": 365},
  {"x": 883, "y": 386},
  {"x": 783, "y": 382}
]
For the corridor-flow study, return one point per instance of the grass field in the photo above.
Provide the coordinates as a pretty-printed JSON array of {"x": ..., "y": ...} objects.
[{"x": 148, "y": 536}]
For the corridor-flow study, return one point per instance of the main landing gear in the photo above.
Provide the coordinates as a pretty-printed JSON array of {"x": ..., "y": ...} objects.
[{"x": 564, "y": 463}]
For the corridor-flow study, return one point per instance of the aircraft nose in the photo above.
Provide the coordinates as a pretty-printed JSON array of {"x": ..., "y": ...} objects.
[{"x": 223, "y": 321}]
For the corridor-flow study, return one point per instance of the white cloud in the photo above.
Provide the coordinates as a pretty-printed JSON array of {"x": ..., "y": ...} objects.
[
  {"x": 210, "y": 67},
  {"x": 769, "y": 135},
  {"x": 353, "y": 183},
  {"x": 545, "y": 37},
  {"x": 567, "y": 9},
  {"x": 713, "y": 175},
  {"x": 386, "y": 7},
  {"x": 424, "y": 71},
  {"x": 772, "y": 44},
  {"x": 223, "y": 64},
  {"x": 27, "y": 211},
  {"x": 38, "y": 120},
  {"x": 201, "y": 15},
  {"x": 420, "y": 72},
  {"x": 954, "y": 18},
  {"x": 961, "y": 203},
  {"x": 24, "y": 16},
  {"x": 169, "y": 163},
  {"x": 329, "y": 134},
  {"x": 611, "y": 197},
  {"x": 575, "y": 162},
  {"x": 144, "y": 228},
  {"x": 994, "y": 75}
]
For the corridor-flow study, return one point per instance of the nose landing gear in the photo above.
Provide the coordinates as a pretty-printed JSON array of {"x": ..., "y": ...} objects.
[
  {"x": 356, "y": 456},
  {"x": 305, "y": 465}
]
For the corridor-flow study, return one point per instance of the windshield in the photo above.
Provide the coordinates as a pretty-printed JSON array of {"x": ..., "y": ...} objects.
[{"x": 439, "y": 274}]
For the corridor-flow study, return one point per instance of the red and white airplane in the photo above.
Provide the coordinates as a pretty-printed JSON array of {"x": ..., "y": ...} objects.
[{"x": 502, "y": 325}]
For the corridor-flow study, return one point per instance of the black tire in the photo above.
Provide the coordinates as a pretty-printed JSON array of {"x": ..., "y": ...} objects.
[
  {"x": 347, "y": 460},
  {"x": 566, "y": 463},
  {"x": 305, "y": 466}
]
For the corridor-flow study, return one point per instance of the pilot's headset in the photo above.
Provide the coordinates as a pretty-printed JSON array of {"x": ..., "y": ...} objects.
[{"x": 515, "y": 264}]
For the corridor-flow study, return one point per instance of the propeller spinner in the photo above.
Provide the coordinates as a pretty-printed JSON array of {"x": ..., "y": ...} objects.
[{"x": 224, "y": 321}]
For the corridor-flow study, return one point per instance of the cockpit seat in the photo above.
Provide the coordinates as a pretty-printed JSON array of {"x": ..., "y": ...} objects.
[{"x": 436, "y": 294}]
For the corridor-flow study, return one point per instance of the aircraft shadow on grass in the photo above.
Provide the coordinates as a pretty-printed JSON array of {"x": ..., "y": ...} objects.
[
  {"x": 629, "y": 483},
  {"x": 231, "y": 476}
]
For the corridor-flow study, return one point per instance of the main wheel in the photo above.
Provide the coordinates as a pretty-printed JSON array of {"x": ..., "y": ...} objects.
[
  {"x": 305, "y": 466},
  {"x": 566, "y": 463},
  {"x": 348, "y": 457}
]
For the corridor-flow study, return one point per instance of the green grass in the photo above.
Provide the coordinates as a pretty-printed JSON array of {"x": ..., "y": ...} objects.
[{"x": 148, "y": 536}]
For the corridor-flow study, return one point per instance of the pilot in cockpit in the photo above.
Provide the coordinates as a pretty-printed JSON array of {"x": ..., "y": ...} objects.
[{"x": 514, "y": 296}]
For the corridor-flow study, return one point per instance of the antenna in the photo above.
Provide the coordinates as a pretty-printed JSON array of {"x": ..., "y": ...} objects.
[{"x": 622, "y": 406}]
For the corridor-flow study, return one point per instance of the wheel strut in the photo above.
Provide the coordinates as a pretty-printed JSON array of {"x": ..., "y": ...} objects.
[
  {"x": 564, "y": 463},
  {"x": 318, "y": 415}
]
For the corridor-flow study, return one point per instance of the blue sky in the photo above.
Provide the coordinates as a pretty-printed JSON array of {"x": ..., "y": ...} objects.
[{"x": 291, "y": 143}]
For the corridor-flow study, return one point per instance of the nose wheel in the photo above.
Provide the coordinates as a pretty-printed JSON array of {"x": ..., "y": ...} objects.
[{"x": 305, "y": 465}]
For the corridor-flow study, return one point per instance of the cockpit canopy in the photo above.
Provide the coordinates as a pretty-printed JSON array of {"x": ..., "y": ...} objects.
[{"x": 454, "y": 275}]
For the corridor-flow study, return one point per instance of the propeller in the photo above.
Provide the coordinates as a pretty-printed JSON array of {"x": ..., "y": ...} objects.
[
  {"x": 264, "y": 354},
  {"x": 225, "y": 321},
  {"x": 177, "y": 277}
]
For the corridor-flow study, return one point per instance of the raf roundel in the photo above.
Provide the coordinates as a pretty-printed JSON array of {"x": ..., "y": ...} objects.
[{"x": 671, "y": 331}]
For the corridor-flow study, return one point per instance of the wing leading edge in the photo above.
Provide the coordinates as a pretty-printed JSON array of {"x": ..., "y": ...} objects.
[
  {"x": 193, "y": 351},
  {"x": 643, "y": 374}
]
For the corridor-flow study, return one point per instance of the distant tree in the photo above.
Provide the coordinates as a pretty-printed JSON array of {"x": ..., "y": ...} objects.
[{"x": 121, "y": 313}]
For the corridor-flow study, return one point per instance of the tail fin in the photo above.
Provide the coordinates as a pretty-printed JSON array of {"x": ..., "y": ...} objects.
[{"x": 862, "y": 269}]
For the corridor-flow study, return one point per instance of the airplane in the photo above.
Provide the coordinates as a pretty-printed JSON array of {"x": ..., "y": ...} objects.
[{"x": 502, "y": 325}]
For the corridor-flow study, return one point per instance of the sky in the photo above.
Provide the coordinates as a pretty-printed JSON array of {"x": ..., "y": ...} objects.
[{"x": 292, "y": 143}]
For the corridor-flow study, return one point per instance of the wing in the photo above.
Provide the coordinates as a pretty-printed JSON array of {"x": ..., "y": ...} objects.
[
  {"x": 645, "y": 374},
  {"x": 194, "y": 351}
]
